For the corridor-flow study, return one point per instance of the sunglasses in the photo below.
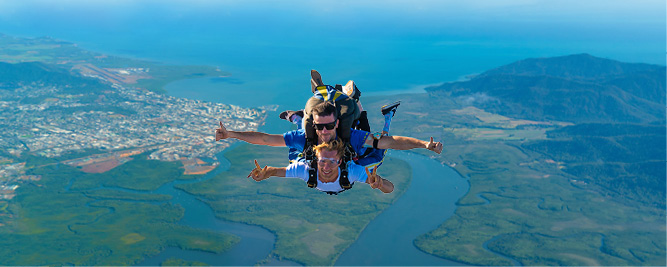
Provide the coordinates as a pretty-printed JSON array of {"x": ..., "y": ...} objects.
[
  {"x": 323, "y": 160},
  {"x": 321, "y": 126}
]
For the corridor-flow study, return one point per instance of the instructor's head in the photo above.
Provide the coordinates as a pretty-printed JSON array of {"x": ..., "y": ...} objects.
[{"x": 325, "y": 121}]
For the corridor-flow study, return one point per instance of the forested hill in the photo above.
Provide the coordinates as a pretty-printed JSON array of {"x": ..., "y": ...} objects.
[{"x": 576, "y": 88}]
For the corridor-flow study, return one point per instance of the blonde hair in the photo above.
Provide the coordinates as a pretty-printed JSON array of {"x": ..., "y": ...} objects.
[{"x": 335, "y": 145}]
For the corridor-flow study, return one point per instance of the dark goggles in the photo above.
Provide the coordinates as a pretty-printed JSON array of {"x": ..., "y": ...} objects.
[{"x": 329, "y": 126}]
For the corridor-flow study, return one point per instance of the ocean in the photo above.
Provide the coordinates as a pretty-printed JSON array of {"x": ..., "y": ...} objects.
[{"x": 269, "y": 47}]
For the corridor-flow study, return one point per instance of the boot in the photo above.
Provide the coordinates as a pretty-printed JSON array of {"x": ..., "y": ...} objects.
[{"x": 315, "y": 80}]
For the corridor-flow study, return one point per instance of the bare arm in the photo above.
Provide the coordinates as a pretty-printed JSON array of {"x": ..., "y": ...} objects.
[
  {"x": 256, "y": 138},
  {"x": 405, "y": 143},
  {"x": 259, "y": 173},
  {"x": 387, "y": 186},
  {"x": 375, "y": 181}
]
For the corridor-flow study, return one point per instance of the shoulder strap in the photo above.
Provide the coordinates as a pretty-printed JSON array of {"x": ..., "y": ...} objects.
[
  {"x": 344, "y": 180},
  {"x": 312, "y": 174},
  {"x": 312, "y": 160}
]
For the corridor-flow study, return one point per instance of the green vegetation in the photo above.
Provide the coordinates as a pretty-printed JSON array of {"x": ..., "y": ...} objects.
[
  {"x": 56, "y": 226},
  {"x": 36, "y": 73},
  {"x": 138, "y": 174},
  {"x": 531, "y": 207},
  {"x": 179, "y": 262},
  {"x": 44, "y": 49},
  {"x": 312, "y": 227},
  {"x": 161, "y": 75},
  {"x": 105, "y": 193},
  {"x": 50, "y": 51},
  {"x": 626, "y": 159}
]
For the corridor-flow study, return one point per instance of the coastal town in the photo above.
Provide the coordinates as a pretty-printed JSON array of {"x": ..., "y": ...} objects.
[{"x": 99, "y": 131}]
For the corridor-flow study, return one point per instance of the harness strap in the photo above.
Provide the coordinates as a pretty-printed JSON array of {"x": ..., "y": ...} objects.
[
  {"x": 344, "y": 181},
  {"x": 312, "y": 174},
  {"x": 310, "y": 157}
]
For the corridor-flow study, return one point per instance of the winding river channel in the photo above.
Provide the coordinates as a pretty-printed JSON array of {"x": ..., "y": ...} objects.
[{"x": 387, "y": 240}]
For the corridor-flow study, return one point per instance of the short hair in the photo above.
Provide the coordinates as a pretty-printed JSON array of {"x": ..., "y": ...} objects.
[
  {"x": 325, "y": 108},
  {"x": 335, "y": 145}
]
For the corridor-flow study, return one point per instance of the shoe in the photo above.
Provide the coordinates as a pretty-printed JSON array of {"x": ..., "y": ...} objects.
[
  {"x": 315, "y": 80},
  {"x": 390, "y": 108},
  {"x": 351, "y": 90},
  {"x": 283, "y": 115},
  {"x": 287, "y": 114}
]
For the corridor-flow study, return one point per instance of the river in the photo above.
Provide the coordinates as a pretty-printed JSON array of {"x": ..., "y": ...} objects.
[
  {"x": 256, "y": 242},
  {"x": 428, "y": 202}
]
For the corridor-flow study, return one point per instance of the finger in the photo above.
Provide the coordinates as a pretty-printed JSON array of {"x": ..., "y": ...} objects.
[
  {"x": 221, "y": 125},
  {"x": 369, "y": 177},
  {"x": 431, "y": 139},
  {"x": 257, "y": 165},
  {"x": 375, "y": 170}
]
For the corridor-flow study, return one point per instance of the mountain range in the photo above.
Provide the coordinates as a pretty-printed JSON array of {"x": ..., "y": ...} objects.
[{"x": 576, "y": 88}]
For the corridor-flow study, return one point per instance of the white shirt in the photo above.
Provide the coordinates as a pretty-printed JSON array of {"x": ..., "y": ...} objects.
[{"x": 356, "y": 173}]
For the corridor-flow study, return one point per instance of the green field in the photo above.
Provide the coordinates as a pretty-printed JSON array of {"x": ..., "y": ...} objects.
[
  {"x": 521, "y": 204},
  {"x": 85, "y": 226}
]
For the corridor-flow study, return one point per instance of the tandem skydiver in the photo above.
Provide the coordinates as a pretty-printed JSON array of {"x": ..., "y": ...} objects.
[
  {"x": 328, "y": 156},
  {"x": 327, "y": 108}
]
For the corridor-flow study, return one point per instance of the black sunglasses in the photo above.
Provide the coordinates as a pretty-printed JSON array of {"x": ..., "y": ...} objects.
[{"x": 321, "y": 126}]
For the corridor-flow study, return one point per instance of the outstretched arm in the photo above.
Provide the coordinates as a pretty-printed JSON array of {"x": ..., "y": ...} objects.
[
  {"x": 405, "y": 143},
  {"x": 259, "y": 173},
  {"x": 256, "y": 138},
  {"x": 375, "y": 181}
]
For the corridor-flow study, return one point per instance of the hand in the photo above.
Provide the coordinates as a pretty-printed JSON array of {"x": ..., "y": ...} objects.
[
  {"x": 221, "y": 133},
  {"x": 434, "y": 146},
  {"x": 259, "y": 173},
  {"x": 373, "y": 179}
]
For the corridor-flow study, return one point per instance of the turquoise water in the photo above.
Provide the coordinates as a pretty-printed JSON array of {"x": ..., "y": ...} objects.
[{"x": 269, "y": 48}]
